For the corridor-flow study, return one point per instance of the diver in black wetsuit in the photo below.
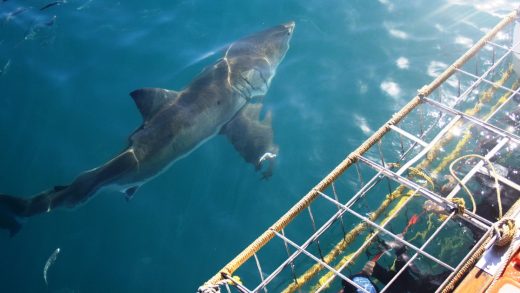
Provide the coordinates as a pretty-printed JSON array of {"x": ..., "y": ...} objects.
[{"x": 409, "y": 281}]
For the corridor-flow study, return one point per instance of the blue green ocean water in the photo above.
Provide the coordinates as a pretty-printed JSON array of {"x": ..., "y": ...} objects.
[{"x": 66, "y": 74}]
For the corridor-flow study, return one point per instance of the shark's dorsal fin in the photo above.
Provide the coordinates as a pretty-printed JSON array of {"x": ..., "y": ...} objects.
[{"x": 150, "y": 100}]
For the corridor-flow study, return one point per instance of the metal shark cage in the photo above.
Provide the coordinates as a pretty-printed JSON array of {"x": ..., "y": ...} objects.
[{"x": 327, "y": 236}]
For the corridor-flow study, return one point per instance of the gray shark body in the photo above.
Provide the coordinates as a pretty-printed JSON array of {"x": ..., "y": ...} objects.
[{"x": 224, "y": 99}]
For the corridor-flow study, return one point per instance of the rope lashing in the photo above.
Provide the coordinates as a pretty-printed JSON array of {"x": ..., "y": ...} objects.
[
  {"x": 393, "y": 165},
  {"x": 504, "y": 230},
  {"x": 459, "y": 203},
  {"x": 215, "y": 288},
  {"x": 413, "y": 171}
]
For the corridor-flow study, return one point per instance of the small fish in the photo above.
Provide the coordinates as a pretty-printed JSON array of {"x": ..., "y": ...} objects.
[
  {"x": 59, "y": 2},
  {"x": 51, "y": 21},
  {"x": 16, "y": 12},
  {"x": 49, "y": 262},
  {"x": 84, "y": 5},
  {"x": 37, "y": 27},
  {"x": 5, "y": 68}
]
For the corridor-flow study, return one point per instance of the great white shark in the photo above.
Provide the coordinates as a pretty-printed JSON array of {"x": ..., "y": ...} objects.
[{"x": 225, "y": 98}]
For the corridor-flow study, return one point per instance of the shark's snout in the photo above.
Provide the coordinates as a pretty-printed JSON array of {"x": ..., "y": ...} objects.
[{"x": 290, "y": 26}]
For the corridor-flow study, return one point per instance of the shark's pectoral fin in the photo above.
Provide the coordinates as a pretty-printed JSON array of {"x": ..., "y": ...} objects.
[
  {"x": 152, "y": 100},
  {"x": 252, "y": 137}
]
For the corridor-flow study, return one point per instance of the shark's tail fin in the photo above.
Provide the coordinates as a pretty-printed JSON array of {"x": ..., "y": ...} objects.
[{"x": 12, "y": 209}]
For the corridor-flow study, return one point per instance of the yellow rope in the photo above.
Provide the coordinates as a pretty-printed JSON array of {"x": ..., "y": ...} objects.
[
  {"x": 325, "y": 278},
  {"x": 393, "y": 165},
  {"x": 419, "y": 172},
  {"x": 493, "y": 172},
  {"x": 461, "y": 204},
  {"x": 236, "y": 279},
  {"x": 423, "y": 234}
]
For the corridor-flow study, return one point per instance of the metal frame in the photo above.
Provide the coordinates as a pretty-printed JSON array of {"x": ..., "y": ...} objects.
[{"x": 383, "y": 172}]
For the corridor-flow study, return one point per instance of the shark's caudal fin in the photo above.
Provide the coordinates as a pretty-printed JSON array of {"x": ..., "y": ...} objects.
[
  {"x": 11, "y": 211},
  {"x": 14, "y": 209}
]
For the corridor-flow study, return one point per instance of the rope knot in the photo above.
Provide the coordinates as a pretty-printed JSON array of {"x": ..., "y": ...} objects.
[
  {"x": 504, "y": 230},
  {"x": 423, "y": 92},
  {"x": 460, "y": 204}
]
